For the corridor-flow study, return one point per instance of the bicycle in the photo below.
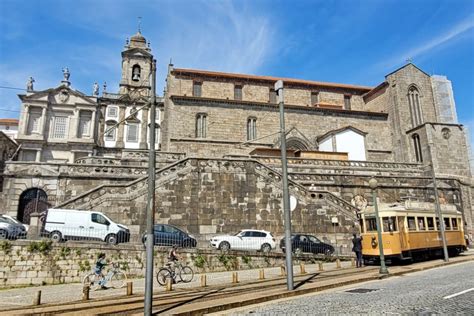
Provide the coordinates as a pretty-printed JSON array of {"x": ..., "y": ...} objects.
[
  {"x": 184, "y": 272},
  {"x": 117, "y": 278}
]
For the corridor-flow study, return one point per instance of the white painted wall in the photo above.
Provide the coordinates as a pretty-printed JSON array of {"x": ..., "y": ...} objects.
[
  {"x": 326, "y": 145},
  {"x": 351, "y": 142}
]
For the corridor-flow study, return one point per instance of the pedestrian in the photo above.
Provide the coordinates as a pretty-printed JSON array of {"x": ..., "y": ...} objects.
[
  {"x": 99, "y": 266},
  {"x": 357, "y": 248}
]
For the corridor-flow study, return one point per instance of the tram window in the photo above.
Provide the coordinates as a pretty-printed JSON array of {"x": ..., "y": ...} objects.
[
  {"x": 370, "y": 224},
  {"x": 430, "y": 223},
  {"x": 389, "y": 224},
  {"x": 454, "y": 223},
  {"x": 447, "y": 223},
  {"x": 361, "y": 223},
  {"x": 421, "y": 223},
  {"x": 411, "y": 223},
  {"x": 437, "y": 224}
]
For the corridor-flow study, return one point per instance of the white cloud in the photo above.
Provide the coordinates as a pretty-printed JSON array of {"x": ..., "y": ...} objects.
[{"x": 435, "y": 42}]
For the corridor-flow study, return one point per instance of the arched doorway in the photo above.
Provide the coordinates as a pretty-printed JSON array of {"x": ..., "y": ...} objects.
[
  {"x": 296, "y": 144},
  {"x": 32, "y": 201}
]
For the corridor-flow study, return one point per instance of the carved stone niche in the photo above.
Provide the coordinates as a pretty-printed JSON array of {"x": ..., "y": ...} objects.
[{"x": 359, "y": 202}]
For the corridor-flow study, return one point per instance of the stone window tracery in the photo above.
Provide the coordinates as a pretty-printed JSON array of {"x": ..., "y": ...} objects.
[
  {"x": 251, "y": 128},
  {"x": 59, "y": 126},
  {"x": 417, "y": 146},
  {"x": 415, "y": 108},
  {"x": 201, "y": 125}
]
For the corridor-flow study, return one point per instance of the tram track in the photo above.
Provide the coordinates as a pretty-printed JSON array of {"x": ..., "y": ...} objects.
[{"x": 166, "y": 301}]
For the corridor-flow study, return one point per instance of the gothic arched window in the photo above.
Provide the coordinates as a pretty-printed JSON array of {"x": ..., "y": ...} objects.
[
  {"x": 251, "y": 128},
  {"x": 136, "y": 72},
  {"x": 201, "y": 125},
  {"x": 415, "y": 108},
  {"x": 417, "y": 146}
]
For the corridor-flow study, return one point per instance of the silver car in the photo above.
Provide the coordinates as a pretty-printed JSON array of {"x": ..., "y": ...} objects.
[{"x": 11, "y": 230}]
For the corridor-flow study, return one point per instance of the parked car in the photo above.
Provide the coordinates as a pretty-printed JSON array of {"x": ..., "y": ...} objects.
[
  {"x": 167, "y": 235},
  {"x": 63, "y": 224},
  {"x": 307, "y": 243},
  {"x": 246, "y": 239},
  {"x": 11, "y": 230},
  {"x": 16, "y": 221}
]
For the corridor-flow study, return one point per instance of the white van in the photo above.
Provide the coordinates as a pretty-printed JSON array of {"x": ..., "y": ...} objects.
[{"x": 63, "y": 224}]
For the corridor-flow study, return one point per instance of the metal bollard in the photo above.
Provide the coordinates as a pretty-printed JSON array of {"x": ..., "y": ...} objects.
[
  {"x": 235, "y": 277},
  {"x": 338, "y": 263},
  {"x": 282, "y": 271},
  {"x": 37, "y": 299},
  {"x": 85, "y": 292},
  {"x": 261, "y": 274},
  {"x": 203, "y": 280},
  {"x": 302, "y": 269},
  {"x": 129, "y": 288},
  {"x": 320, "y": 264},
  {"x": 353, "y": 262},
  {"x": 169, "y": 284}
]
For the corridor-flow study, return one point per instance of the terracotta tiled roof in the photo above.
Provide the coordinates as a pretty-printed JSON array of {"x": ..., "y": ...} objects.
[
  {"x": 9, "y": 121},
  {"x": 268, "y": 79}
]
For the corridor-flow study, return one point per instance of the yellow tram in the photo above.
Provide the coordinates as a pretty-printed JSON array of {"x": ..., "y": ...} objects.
[{"x": 411, "y": 231}]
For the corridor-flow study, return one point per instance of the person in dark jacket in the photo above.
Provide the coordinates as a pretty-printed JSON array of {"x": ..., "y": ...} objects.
[{"x": 357, "y": 248}]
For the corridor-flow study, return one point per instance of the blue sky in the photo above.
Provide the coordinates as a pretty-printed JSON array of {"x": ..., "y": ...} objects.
[{"x": 344, "y": 41}]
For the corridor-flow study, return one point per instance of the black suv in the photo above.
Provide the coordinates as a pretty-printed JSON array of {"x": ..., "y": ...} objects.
[
  {"x": 167, "y": 235},
  {"x": 307, "y": 243}
]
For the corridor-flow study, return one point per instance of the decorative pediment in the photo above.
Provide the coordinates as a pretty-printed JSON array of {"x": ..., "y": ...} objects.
[
  {"x": 35, "y": 170},
  {"x": 59, "y": 95},
  {"x": 138, "y": 52},
  {"x": 295, "y": 136}
]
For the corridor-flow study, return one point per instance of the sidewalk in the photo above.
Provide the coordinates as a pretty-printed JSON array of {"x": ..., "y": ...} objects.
[{"x": 62, "y": 293}]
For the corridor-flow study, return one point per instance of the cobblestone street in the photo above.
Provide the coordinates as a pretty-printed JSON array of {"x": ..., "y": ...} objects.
[{"x": 448, "y": 290}]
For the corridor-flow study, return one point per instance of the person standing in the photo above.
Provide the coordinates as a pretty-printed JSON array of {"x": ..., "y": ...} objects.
[{"x": 357, "y": 248}]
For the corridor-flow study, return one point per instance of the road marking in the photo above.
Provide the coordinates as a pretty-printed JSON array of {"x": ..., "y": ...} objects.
[{"x": 459, "y": 293}]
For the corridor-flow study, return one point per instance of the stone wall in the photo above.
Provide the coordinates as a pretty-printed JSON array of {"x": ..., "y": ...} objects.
[
  {"x": 227, "y": 125},
  {"x": 40, "y": 262}
]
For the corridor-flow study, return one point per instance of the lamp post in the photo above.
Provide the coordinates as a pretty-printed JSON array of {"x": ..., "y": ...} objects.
[
  {"x": 150, "y": 206},
  {"x": 373, "y": 185},
  {"x": 286, "y": 196}
]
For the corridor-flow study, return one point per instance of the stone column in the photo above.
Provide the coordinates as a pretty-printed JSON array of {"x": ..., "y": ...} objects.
[
  {"x": 43, "y": 122},
  {"x": 38, "y": 156},
  {"x": 144, "y": 133},
  {"x": 120, "y": 143},
  {"x": 34, "y": 231},
  {"x": 75, "y": 124},
  {"x": 25, "y": 121},
  {"x": 93, "y": 125}
]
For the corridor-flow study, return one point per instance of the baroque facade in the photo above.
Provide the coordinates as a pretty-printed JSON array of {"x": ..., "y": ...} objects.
[{"x": 90, "y": 152}]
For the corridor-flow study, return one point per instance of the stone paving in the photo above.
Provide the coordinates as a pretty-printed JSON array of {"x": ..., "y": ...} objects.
[
  {"x": 420, "y": 293},
  {"x": 17, "y": 297}
]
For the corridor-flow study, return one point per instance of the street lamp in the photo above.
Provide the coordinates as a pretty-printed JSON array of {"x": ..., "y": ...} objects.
[
  {"x": 286, "y": 195},
  {"x": 373, "y": 185}
]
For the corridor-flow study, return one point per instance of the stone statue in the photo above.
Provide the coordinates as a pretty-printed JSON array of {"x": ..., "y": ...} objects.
[
  {"x": 359, "y": 202},
  {"x": 66, "y": 74},
  {"x": 104, "y": 87},
  {"x": 29, "y": 84},
  {"x": 95, "y": 90}
]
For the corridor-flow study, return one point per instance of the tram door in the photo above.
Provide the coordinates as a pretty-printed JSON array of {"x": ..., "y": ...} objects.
[{"x": 403, "y": 233}]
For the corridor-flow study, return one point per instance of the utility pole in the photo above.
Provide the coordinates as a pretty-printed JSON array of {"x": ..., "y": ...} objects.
[
  {"x": 286, "y": 195},
  {"x": 150, "y": 206},
  {"x": 439, "y": 214}
]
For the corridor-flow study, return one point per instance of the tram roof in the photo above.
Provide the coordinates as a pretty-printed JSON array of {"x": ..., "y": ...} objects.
[{"x": 412, "y": 208}]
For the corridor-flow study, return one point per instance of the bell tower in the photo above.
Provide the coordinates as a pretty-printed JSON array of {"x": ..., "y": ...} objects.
[{"x": 136, "y": 66}]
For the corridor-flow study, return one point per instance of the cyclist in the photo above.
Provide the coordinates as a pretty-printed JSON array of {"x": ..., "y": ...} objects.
[
  {"x": 173, "y": 257},
  {"x": 99, "y": 266}
]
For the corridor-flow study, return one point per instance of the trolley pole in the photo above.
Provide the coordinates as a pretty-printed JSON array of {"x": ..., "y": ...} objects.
[
  {"x": 150, "y": 206},
  {"x": 439, "y": 214},
  {"x": 286, "y": 195},
  {"x": 373, "y": 185}
]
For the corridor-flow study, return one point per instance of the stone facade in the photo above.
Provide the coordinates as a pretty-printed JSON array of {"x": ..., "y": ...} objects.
[{"x": 209, "y": 123}]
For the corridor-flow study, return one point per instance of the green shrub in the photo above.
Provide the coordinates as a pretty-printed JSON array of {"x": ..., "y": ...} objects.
[
  {"x": 6, "y": 247},
  {"x": 247, "y": 260},
  {"x": 64, "y": 252},
  {"x": 43, "y": 246},
  {"x": 199, "y": 261}
]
